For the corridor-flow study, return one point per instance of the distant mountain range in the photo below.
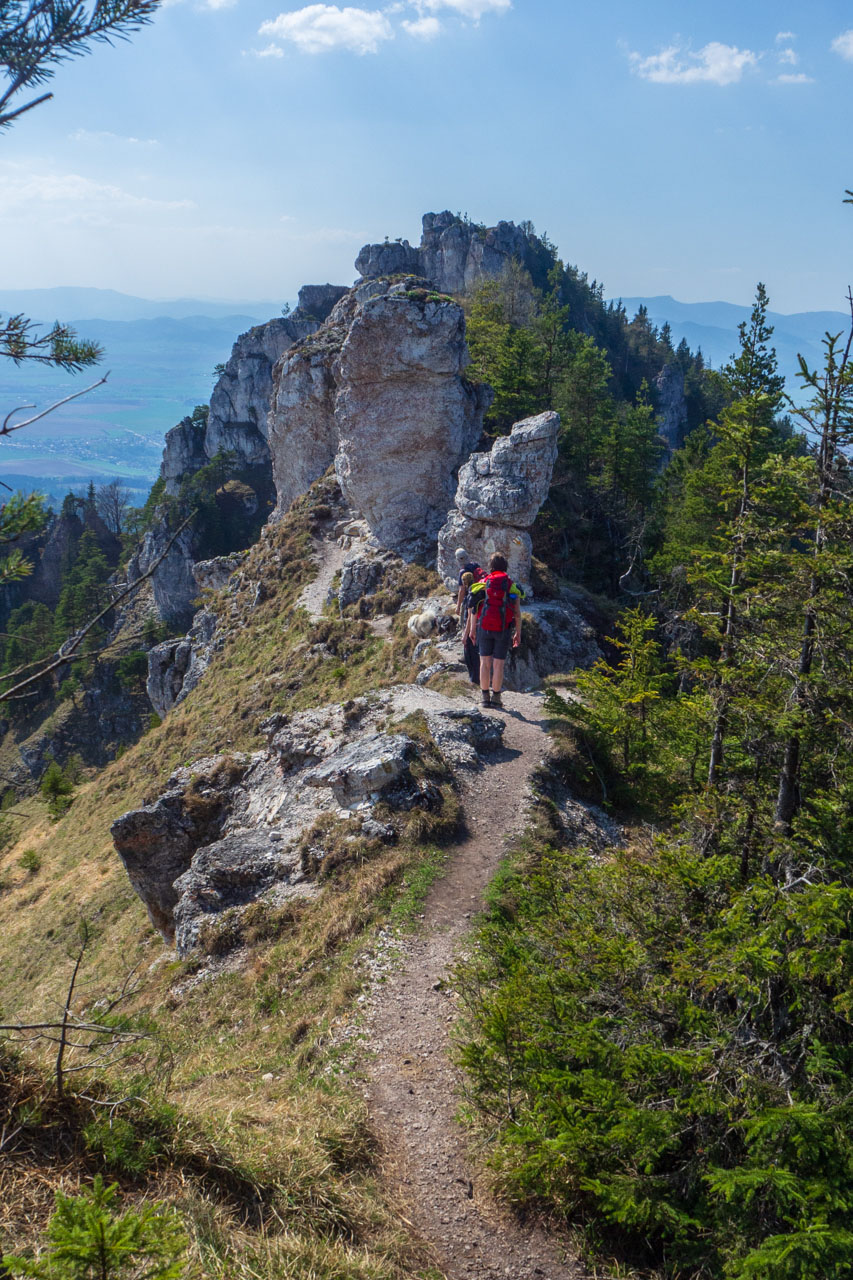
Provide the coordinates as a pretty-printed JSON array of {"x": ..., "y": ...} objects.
[
  {"x": 48, "y": 305},
  {"x": 713, "y": 327}
]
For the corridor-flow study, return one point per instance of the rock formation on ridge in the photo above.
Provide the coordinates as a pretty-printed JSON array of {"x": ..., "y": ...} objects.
[
  {"x": 380, "y": 391},
  {"x": 498, "y": 497},
  {"x": 457, "y": 255}
]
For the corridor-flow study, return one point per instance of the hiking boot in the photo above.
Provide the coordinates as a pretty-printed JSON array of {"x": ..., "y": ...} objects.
[
  {"x": 485, "y": 697},
  {"x": 496, "y": 701}
]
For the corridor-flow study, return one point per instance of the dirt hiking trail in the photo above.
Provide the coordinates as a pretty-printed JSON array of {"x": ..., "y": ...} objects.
[{"x": 413, "y": 1088}]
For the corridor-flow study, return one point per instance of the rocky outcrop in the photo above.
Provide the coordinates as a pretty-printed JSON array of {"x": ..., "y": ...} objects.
[
  {"x": 405, "y": 415},
  {"x": 671, "y": 406},
  {"x": 498, "y": 497},
  {"x": 316, "y": 301},
  {"x": 228, "y": 831},
  {"x": 457, "y": 255},
  {"x": 175, "y": 587},
  {"x": 393, "y": 257},
  {"x": 239, "y": 404},
  {"x": 176, "y": 666},
  {"x": 301, "y": 432},
  {"x": 380, "y": 390},
  {"x": 183, "y": 453}
]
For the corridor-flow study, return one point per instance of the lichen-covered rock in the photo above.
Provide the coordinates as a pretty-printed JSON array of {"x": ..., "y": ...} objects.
[
  {"x": 228, "y": 830},
  {"x": 406, "y": 417},
  {"x": 463, "y": 736},
  {"x": 232, "y": 872},
  {"x": 157, "y": 842},
  {"x": 364, "y": 768}
]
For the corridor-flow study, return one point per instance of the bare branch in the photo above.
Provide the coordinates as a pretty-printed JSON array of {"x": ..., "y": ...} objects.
[
  {"x": 6, "y": 430},
  {"x": 69, "y": 647}
]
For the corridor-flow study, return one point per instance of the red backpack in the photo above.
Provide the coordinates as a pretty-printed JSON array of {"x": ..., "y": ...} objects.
[{"x": 498, "y": 610}]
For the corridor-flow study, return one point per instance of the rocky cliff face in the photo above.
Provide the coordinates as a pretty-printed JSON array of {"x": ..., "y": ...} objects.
[
  {"x": 457, "y": 255},
  {"x": 671, "y": 405},
  {"x": 380, "y": 391},
  {"x": 239, "y": 404}
]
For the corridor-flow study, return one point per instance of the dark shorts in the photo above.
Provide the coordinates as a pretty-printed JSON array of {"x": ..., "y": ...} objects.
[{"x": 494, "y": 644}]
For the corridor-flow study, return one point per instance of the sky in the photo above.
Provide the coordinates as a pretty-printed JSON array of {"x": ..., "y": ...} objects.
[{"x": 237, "y": 149}]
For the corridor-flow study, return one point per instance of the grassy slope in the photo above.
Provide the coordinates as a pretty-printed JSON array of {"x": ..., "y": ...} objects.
[{"x": 303, "y": 1131}]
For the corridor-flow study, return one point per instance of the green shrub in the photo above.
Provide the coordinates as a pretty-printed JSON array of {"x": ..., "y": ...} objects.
[
  {"x": 30, "y": 860},
  {"x": 89, "y": 1239},
  {"x": 57, "y": 786}
]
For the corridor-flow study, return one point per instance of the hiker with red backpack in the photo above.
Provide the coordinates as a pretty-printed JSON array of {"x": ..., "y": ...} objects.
[{"x": 496, "y": 606}]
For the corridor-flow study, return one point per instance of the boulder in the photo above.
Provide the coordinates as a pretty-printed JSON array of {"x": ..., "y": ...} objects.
[
  {"x": 230, "y": 873},
  {"x": 498, "y": 497},
  {"x": 394, "y": 257},
  {"x": 364, "y": 768},
  {"x": 509, "y": 484}
]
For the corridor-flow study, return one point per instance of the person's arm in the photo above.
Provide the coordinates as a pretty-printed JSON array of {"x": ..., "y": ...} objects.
[
  {"x": 516, "y": 637},
  {"x": 460, "y": 596}
]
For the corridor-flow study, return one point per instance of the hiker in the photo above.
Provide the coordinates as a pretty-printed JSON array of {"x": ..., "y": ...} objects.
[
  {"x": 465, "y": 566},
  {"x": 470, "y": 652},
  {"x": 496, "y": 604}
]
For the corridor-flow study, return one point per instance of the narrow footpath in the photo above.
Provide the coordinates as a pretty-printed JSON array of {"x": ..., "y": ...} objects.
[{"x": 413, "y": 1088}]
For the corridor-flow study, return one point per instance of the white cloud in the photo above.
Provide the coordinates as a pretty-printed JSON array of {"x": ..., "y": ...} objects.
[
  {"x": 320, "y": 28},
  {"x": 788, "y": 57},
  {"x": 104, "y": 135},
  {"x": 843, "y": 44},
  {"x": 474, "y": 9},
  {"x": 782, "y": 37},
  {"x": 423, "y": 28},
  {"x": 798, "y": 77},
  {"x": 271, "y": 51},
  {"x": 76, "y": 197},
  {"x": 716, "y": 63}
]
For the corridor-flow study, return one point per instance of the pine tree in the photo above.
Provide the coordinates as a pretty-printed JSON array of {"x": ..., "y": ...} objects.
[{"x": 90, "y": 1240}]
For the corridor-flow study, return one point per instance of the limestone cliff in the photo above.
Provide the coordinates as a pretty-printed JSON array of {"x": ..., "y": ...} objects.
[
  {"x": 380, "y": 390},
  {"x": 456, "y": 254}
]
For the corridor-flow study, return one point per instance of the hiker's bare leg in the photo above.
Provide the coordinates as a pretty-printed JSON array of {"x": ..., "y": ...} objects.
[
  {"x": 485, "y": 673},
  {"x": 497, "y": 674}
]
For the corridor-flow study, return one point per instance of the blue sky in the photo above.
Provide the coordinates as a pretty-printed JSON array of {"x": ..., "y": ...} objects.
[{"x": 238, "y": 150}]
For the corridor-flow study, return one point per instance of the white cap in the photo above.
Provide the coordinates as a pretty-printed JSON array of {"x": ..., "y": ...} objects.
[{"x": 461, "y": 553}]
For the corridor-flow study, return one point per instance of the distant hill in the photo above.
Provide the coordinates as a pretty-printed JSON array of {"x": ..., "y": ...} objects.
[
  {"x": 80, "y": 304},
  {"x": 159, "y": 369},
  {"x": 713, "y": 327}
]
